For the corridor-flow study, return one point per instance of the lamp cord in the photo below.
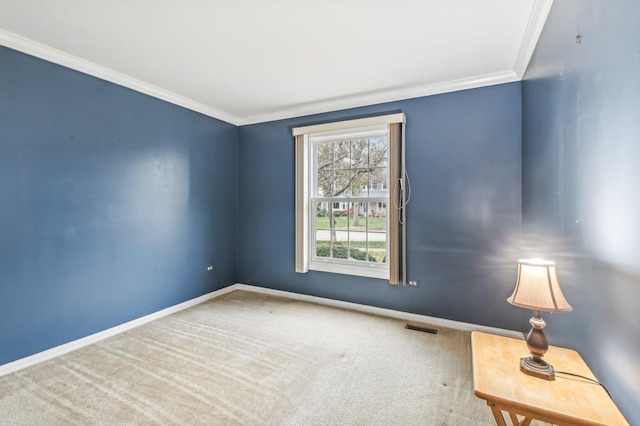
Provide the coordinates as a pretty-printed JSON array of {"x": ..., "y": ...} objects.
[{"x": 587, "y": 378}]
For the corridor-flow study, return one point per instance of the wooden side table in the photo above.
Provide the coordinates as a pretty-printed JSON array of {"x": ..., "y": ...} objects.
[{"x": 567, "y": 400}]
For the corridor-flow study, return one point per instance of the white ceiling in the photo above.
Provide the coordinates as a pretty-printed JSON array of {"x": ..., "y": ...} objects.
[{"x": 247, "y": 61}]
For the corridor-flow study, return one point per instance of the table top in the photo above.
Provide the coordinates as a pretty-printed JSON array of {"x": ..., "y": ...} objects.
[{"x": 497, "y": 378}]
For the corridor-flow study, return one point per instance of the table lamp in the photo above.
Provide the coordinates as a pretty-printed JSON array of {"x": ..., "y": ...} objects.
[{"x": 537, "y": 288}]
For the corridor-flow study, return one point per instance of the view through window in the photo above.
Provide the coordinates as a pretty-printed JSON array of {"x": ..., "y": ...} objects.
[{"x": 349, "y": 197}]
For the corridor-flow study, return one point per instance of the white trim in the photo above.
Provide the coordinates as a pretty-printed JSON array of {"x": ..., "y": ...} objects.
[
  {"x": 336, "y": 266},
  {"x": 350, "y": 200},
  {"x": 406, "y": 316},
  {"x": 358, "y": 123},
  {"x": 540, "y": 11},
  {"x": 507, "y": 76},
  {"x": 350, "y": 133},
  {"x": 302, "y": 203},
  {"x": 39, "y": 50},
  {"x": 56, "y": 351},
  {"x": 42, "y": 51},
  {"x": 48, "y": 354},
  {"x": 537, "y": 19}
]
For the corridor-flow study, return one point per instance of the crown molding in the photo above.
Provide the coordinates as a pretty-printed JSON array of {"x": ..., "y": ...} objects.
[
  {"x": 539, "y": 13},
  {"x": 537, "y": 19},
  {"x": 383, "y": 97},
  {"x": 42, "y": 51}
]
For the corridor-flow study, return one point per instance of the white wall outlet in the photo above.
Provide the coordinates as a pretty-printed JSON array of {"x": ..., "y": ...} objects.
[
  {"x": 209, "y": 268},
  {"x": 413, "y": 283}
]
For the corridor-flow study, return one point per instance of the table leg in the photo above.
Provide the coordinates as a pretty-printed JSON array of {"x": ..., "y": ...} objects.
[
  {"x": 514, "y": 418},
  {"x": 497, "y": 414}
]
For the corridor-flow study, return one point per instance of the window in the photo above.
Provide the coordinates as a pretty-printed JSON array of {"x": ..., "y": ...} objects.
[
  {"x": 347, "y": 219},
  {"x": 343, "y": 166}
]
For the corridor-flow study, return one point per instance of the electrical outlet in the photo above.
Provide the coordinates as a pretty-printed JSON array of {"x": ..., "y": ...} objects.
[
  {"x": 413, "y": 283},
  {"x": 209, "y": 268}
]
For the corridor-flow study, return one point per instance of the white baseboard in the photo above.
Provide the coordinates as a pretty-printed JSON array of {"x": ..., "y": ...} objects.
[
  {"x": 406, "y": 316},
  {"x": 93, "y": 338},
  {"x": 48, "y": 354}
]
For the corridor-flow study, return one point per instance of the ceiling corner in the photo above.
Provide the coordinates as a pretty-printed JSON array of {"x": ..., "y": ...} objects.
[
  {"x": 537, "y": 18},
  {"x": 47, "y": 53}
]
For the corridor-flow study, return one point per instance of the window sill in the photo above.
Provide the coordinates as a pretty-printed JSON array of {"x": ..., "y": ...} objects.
[{"x": 362, "y": 271}]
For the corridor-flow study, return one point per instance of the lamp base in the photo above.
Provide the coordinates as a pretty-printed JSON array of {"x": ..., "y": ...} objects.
[{"x": 537, "y": 367}]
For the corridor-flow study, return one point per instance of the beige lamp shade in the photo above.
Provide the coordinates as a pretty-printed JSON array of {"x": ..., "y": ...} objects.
[{"x": 537, "y": 287}]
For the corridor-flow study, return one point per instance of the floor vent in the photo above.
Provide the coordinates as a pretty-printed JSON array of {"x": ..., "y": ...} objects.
[{"x": 423, "y": 329}]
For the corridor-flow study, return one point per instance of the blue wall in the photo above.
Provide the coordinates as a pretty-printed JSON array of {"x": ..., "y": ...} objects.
[
  {"x": 464, "y": 217},
  {"x": 112, "y": 205},
  {"x": 581, "y": 203}
]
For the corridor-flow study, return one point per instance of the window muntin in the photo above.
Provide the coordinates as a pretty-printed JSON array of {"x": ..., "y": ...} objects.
[{"x": 348, "y": 206}]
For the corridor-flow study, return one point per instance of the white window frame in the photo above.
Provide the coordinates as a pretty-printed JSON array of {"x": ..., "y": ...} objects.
[
  {"x": 330, "y": 264},
  {"x": 305, "y": 210}
]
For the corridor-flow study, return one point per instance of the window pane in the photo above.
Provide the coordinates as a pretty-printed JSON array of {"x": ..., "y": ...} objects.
[
  {"x": 323, "y": 231},
  {"x": 378, "y": 217},
  {"x": 360, "y": 153},
  {"x": 378, "y": 250},
  {"x": 341, "y": 183},
  {"x": 324, "y": 156},
  {"x": 323, "y": 183},
  {"x": 341, "y": 155},
  {"x": 357, "y": 217},
  {"x": 358, "y": 246},
  {"x": 359, "y": 182},
  {"x": 322, "y": 216},
  {"x": 377, "y": 231},
  {"x": 354, "y": 166},
  {"x": 323, "y": 249},
  {"x": 379, "y": 182},
  {"x": 354, "y": 231},
  {"x": 378, "y": 150}
]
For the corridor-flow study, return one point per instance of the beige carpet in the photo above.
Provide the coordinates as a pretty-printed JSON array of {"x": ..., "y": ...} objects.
[{"x": 247, "y": 358}]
